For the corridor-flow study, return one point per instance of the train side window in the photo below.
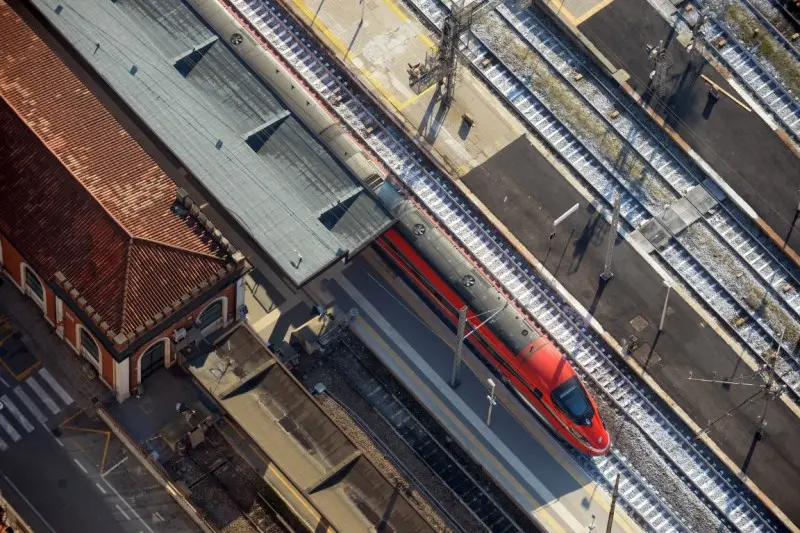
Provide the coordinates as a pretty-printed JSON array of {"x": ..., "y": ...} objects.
[{"x": 537, "y": 393}]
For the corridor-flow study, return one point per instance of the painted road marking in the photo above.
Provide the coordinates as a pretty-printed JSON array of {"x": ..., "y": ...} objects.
[
  {"x": 46, "y": 399},
  {"x": 17, "y": 413},
  {"x": 81, "y": 466},
  {"x": 127, "y": 517},
  {"x": 26, "y": 400},
  {"x": 99, "y": 486},
  {"x": 5, "y": 424},
  {"x": 3, "y": 445},
  {"x": 4, "y": 382},
  {"x": 56, "y": 386},
  {"x": 116, "y": 465},
  {"x": 27, "y": 501},
  {"x": 123, "y": 500}
]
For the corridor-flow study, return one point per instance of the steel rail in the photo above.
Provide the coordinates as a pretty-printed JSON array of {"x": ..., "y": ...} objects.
[{"x": 677, "y": 446}]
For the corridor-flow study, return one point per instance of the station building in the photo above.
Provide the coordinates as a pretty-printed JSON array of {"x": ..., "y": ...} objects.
[{"x": 121, "y": 262}]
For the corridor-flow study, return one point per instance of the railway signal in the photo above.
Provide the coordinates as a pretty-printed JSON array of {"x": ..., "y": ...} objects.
[
  {"x": 696, "y": 44},
  {"x": 658, "y": 55}
]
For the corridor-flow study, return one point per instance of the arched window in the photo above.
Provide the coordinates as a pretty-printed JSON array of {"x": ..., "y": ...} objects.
[
  {"x": 212, "y": 315},
  {"x": 152, "y": 359},
  {"x": 34, "y": 285},
  {"x": 89, "y": 347}
]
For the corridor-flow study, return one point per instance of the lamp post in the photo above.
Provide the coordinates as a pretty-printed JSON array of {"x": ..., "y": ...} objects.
[
  {"x": 491, "y": 399},
  {"x": 668, "y": 285}
]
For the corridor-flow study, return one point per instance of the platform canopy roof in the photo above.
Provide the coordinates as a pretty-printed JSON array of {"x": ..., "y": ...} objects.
[{"x": 232, "y": 134}]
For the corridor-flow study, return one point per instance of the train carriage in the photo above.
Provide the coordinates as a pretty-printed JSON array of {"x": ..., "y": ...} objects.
[{"x": 538, "y": 372}]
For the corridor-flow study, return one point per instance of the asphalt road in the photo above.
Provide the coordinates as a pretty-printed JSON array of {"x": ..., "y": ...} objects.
[
  {"x": 43, "y": 477},
  {"x": 738, "y": 144},
  {"x": 53, "y": 479}
]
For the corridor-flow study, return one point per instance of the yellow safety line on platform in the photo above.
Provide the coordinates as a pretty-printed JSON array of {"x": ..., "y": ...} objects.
[
  {"x": 396, "y": 10},
  {"x": 415, "y": 98},
  {"x": 549, "y": 446},
  {"x": 583, "y": 18},
  {"x": 349, "y": 57},
  {"x": 425, "y": 39},
  {"x": 726, "y": 93},
  {"x": 559, "y": 9}
]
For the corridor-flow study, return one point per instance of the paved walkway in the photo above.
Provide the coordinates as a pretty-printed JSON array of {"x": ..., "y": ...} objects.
[{"x": 524, "y": 192}]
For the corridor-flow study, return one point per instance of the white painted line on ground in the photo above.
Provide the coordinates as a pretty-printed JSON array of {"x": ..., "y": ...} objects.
[
  {"x": 22, "y": 419},
  {"x": 99, "y": 486},
  {"x": 116, "y": 465},
  {"x": 81, "y": 466},
  {"x": 29, "y": 504},
  {"x": 56, "y": 386},
  {"x": 110, "y": 486},
  {"x": 46, "y": 399},
  {"x": 492, "y": 446},
  {"x": 4, "y": 382},
  {"x": 6, "y": 425},
  {"x": 3, "y": 445},
  {"x": 26, "y": 400},
  {"x": 123, "y": 512}
]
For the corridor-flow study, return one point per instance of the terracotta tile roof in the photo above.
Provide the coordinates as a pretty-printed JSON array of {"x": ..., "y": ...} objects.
[{"x": 80, "y": 196}]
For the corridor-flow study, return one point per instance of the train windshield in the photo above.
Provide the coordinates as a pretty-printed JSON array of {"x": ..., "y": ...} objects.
[{"x": 571, "y": 398}]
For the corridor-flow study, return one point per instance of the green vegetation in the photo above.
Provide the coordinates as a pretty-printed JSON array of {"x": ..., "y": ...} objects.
[{"x": 745, "y": 26}]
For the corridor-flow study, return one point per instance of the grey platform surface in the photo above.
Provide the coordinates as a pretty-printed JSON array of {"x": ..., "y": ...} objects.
[
  {"x": 232, "y": 134},
  {"x": 526, "y": 194},
  {"x": 517, "y": 451},
  {"x": 738, "y": 145}
]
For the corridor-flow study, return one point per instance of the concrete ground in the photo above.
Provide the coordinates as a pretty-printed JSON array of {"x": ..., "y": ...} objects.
[
  {"x": 60, "y": 467},
  {"x": 378, "y": 40},
  {"x": 738, "y": 144},
  {"x": 517, "y": 451},
  {"x": 513, "y": 185}
]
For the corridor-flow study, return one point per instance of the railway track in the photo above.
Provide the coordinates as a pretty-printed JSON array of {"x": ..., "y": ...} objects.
[
  {"x": 725, "y": 496},
  {"x": 427, "y": 448},
  {"x": 747, "y": 68},
  {"x": 384, "y": 448},
  {"x": 727, "y": 295},
  {"x": 739, "y": 247}
]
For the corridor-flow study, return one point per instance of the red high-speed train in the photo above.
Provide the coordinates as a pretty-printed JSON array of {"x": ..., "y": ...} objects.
[{"x": 539, "y": 374}]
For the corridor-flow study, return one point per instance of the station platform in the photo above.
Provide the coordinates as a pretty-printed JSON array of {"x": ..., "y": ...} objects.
[
  {"x": 523, "y": 191},
  {"x": 520, "y": 455},
  {"x": 378, "y": 40},
  {"x": 515, "y": 181},
  {"x": 738, "y": 144}
]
